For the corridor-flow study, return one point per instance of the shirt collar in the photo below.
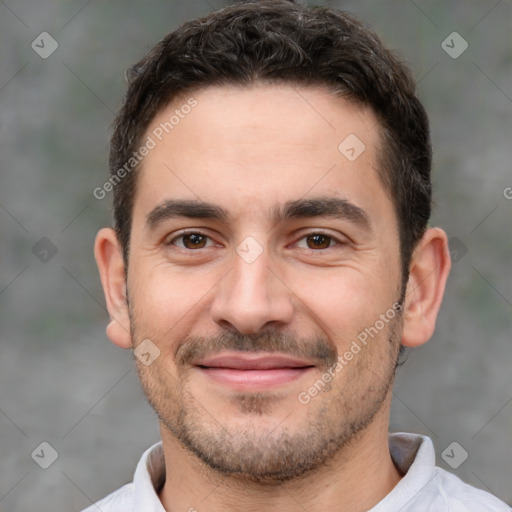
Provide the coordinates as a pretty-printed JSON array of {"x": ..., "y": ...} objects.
[
  {"x": 412, "y": 454},
  {"x": 148, "y": 480}
]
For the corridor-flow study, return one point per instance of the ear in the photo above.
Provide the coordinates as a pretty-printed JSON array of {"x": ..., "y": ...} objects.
[
  {"x": 109, "y": 259},
  {"x": 428, "y": 272}
]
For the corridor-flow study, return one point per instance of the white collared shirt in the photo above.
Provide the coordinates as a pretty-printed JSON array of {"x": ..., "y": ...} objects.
[{"x": 424, "y": 487}]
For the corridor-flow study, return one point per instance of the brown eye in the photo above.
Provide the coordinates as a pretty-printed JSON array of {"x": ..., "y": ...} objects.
[
  {"x": 193, "y": 241},
  {"x": 318, "y": 241}
]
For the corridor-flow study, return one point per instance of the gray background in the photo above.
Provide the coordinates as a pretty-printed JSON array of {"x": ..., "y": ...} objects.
[{"x": 63, "y": 382}]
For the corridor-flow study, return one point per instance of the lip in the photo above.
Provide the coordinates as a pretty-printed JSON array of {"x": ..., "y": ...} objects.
[{"x": 253, "y": 372}]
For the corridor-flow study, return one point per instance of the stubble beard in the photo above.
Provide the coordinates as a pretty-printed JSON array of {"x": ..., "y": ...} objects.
[{"x": 273, "y": 455}]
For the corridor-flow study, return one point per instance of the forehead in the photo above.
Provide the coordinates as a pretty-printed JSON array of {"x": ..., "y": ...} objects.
[{"x": 260, "y": 146}]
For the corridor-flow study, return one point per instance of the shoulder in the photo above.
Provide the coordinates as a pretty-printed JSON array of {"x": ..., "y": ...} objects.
[
  {"x": 119, "y": 501},
  {"x": 461, "y": 497},
  {"x": 141, "y": 494},
  {"x": 426, "y": 487}
]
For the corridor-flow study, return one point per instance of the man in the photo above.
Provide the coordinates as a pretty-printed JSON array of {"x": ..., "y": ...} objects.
[{"x": 270, "y": 258}]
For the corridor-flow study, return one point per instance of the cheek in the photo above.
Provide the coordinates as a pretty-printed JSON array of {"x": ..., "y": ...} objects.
[
  {"x": 167, "y": 301},
  {"x": 343, "y": 301},
  {"x": 154, "y": 300}
]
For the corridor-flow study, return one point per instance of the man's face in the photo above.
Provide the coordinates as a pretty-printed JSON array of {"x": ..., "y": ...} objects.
[{"x": 260, "y": 252}]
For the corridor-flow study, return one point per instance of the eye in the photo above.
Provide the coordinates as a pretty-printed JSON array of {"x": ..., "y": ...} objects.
[
  {"x": 317, "y": 241},
  {"x": 191, "y": 241}
]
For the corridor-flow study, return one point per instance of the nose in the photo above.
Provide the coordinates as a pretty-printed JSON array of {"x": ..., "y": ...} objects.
[{"x": 251, "y": 297}]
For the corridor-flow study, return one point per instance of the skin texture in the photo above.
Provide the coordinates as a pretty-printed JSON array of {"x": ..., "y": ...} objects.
[{"x": 252, "y": 151}]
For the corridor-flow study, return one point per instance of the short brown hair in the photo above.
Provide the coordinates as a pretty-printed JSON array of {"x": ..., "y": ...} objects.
[{"x": 281, "y": 41}]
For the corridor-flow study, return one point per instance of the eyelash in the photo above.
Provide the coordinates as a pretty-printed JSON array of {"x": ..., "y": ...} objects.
[
  {"x": 336, "y": 241},
  {"x": 183, "y": 235}
]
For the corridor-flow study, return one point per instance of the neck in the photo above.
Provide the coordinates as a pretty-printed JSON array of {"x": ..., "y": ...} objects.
[{"x": 356, "y": 479}]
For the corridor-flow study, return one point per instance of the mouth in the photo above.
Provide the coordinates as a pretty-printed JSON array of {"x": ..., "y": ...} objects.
[{"x": 253, "y": 371}]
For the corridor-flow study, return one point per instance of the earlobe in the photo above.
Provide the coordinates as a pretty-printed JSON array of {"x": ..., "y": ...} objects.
[
  {"x": 428, "y": 273},
  {"x": 111, "y": 267}
]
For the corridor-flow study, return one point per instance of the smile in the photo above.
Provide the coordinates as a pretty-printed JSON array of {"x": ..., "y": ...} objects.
[{"x": 253, "y": 372}]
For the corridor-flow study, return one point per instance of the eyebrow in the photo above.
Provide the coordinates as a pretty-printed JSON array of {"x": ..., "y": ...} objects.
[
  {"x": 301, "y": 208},
  {"x": 329, "y": 206},
  {"x": 184, "y": 208}
]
